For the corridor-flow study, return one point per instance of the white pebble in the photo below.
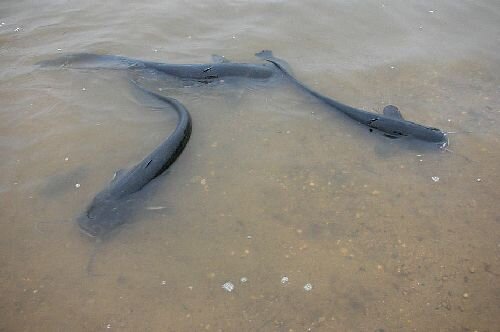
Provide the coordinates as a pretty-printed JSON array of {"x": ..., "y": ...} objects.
[
  {"x": 435, "y": 178},
  {"x": 243, "y": 280},
  {"x": 431, "y": 11},
  {"x": 108, "y": 326},
  {"x": 308, "y": 287},
  {"x": 66, "y": 159},
  {"x": 83, "y": 89},
  {"x": 17, "y": 29},
  {"x": 164, "y": 282},
  {"x": 77, "y": 185},
  {"x": 284, "y": 280},
  {"x": 59, "y": 49},
  {"x": 228, "y": 286}
]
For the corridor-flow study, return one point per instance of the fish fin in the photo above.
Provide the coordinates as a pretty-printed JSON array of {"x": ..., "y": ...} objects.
[
  {"x": 265, "y": 54},
  {"x": 118, "y": 174},
  {"x": 219, "y": 59},
  {"x": 280, "y": 63},
  {"x": 392, "y": 112}
]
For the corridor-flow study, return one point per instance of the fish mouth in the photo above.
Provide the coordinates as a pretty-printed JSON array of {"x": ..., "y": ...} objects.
[
  {"x": 87, "y": 233},
  {"x": 84, "y": 223},
  {"x": 445, "y": 143}
]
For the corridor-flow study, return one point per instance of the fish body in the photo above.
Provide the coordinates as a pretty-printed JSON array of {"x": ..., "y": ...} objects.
[
  {"x": 391, "y": 123},
  {"x": 203, "y": 72},
  {"x": 109, "y": 208}
]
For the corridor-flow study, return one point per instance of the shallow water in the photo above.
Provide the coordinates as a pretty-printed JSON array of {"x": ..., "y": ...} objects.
[{"x": 271, "y": 184}]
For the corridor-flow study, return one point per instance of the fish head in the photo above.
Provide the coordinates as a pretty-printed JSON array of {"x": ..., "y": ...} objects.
[
  {"x": 433, "y": 135},
  {"x": 102, "y": 216},
  {"x": 398, "y": 127}
]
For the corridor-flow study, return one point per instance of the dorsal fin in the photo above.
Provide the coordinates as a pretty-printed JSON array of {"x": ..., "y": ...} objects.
[
  {"x": 392, "y": 112},
  {"x": 265, "y": 54},
  {"x": 219, "y": 59},
  {"x": 268, "y": 56}
]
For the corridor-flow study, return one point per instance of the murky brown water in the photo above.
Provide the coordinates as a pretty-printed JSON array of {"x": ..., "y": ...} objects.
[{"x": 272, "y": 184}]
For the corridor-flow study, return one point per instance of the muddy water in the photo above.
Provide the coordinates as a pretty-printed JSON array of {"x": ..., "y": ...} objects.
[{"x": 271, "y": 185}]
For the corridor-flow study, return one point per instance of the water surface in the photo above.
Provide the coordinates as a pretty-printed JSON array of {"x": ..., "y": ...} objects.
[{"x": 272, "y": 184}]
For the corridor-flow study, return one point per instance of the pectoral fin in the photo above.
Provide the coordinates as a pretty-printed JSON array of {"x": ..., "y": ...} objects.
[{"x": 393, "y": 112}]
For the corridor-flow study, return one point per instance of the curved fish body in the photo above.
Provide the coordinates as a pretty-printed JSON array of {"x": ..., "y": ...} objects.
[
  {"x": 109, "y": 209},
  {"x": 204, "y": 72},
  {"x": 391, "y": 123}
]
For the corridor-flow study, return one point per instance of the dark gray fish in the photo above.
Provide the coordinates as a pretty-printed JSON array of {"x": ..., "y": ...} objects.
[
  {"x": 221, "y": 68},
  {"x": 110, "y": 207},
  {"x": 391, "y": 123}
]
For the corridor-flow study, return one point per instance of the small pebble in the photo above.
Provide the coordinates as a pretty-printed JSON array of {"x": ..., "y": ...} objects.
[
  {"x": 284, "y": 280},
  {"x": 108, "y": 326},
  {"x": 17, "y": 29},
  {"x": 466, "y": 295},
  {"x": 66, "y": 159},
  {"x": 228, "y": 286},
  {"x": 77, "y": 185},
  {"x": 435, "y": 178},
  {"x": 308, "y": 287},
  {"x": 164, "y": 282},
  {"x": 431, "y": 11},
  {"x": 478, "y": 180},
  {"x": 249, "y": 237},
  {"x": 243, "y": 280},
  {"x": 83, "y": 89}
]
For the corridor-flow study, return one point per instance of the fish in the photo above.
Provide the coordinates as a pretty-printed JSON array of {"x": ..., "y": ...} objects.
[
  {"x": 110, "y": 208},
  {"x": 391, "y": 123},
  {"x": 219, "y": 69}
]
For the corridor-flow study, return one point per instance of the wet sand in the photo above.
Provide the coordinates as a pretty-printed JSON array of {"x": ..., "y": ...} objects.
[{"x": 272, "y": 183}]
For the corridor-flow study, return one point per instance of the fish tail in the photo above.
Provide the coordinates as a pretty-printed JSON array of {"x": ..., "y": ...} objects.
[{"x": 92, "y": 61}]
